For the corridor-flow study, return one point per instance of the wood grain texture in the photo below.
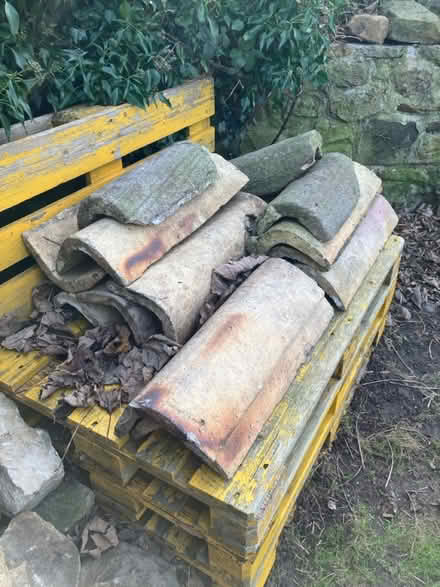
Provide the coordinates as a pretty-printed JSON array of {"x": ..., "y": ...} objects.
[
  {"x": 15, "y": 294},
  {"x": 103, "y": 167},
  {"x": 42, "y": 161}
]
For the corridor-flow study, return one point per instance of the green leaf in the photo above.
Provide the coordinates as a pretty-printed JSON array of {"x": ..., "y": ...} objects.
[
  {"x": 13, "y": 18},
  {"x": 238, "y": 58},
  {"x": 6, "y": 124},
  {"x": 201, "y": 12},
  {"x": 109, "y": 15},
  {"x": 20, "y": 59},
  {"x": 124, "y": 10},
  {"x": 213, "y": 28},
  {"x": 155, "y": 77},
  {"x": 237, "y": 25},
  {"x": 321, "y": 78},
  {"x": 165, "y": 100}
]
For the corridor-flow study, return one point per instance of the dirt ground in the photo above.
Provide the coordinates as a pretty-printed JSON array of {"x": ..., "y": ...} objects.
[{"x": 370, "y": 513}]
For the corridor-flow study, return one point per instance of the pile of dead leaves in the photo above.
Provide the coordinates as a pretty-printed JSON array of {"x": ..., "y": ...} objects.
[
  {"x": 105, "y": 368},
  {"x": 101, "y": 367},
  {"x": 47, "y": 328},
  {"x": 419, "y": 279}
]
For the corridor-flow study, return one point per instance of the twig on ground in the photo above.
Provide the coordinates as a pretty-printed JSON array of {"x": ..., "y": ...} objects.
[
  {"x": 403, "y": 382},
  {"x": 69, "y": 444},
  {"x": 413, "y": 507},
  {"x": 400, "y": 358},
  {"x": 359, "y": 443},
  {"x": 430, "y": 351},
  {"x": 392, "y": 464}
]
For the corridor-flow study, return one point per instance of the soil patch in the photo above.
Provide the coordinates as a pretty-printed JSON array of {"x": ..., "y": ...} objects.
[{"x": 380, "y": 481}]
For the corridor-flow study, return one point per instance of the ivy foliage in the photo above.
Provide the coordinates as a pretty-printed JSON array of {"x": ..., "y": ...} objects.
[{"x": 58, "y": 53}]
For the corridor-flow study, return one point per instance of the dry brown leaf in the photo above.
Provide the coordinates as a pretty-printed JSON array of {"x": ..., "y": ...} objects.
[{"x": 97, "y": 537}]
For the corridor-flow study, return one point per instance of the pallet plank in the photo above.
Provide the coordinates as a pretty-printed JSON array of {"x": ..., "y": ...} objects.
[
  {"x": 12, "y": 247},
  {"x": 37, "y": 163},
  {"x": 16, "y": 293}
]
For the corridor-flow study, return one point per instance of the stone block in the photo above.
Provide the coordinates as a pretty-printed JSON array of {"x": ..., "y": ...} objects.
[
  {"x": 361, "y": 102},
  {"x": 30, "y": 468},
  {"x": 369, "y": 27},
  {"x": 411, "y": 22},
  {"x": 50, "y": 558},
  {"x": 128, "y": 566},
  {"x": 388, "y": 139},
  {"x": 68, "y": 506},
  {"x": 417, "y": 83}
]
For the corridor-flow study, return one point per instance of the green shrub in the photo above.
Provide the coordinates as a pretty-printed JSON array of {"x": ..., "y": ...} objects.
[{"x": 109, "y": 52}]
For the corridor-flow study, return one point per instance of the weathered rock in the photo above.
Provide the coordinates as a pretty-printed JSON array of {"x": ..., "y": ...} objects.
[
  {"x": 219, "y": 390},
  {"x": 44, "y": 242},
  {"x": 102, "y": 307},
  {"x": 128, "y": 566},
  {"x": 126, "y": 251},
  {"x": 389, "y": 139},
  {"x": 50, "y": 558},
  {"x": 10, "y": 418},
  {"x": 408, "y": 185},
  {"x": 411, "y": 22},
  {"x": 359, "y": 103},
  {"x": 347, "y": 274},
  {"x": 321, "y": 201},
  {"x": 297, "y": 243},
  {"x": 369, "y": 27},
  {"x": 17, "y": 577},
  {"x": 176, "y": 287},
  {"x": 432, "y": 5},
  {"x": 155, "y": 189},
  {"x": 5, "y": 579},
  {"x": 68, "y": 506},
  {"x": 30, "y": 468},
  {"x": 270, "y": 169}
]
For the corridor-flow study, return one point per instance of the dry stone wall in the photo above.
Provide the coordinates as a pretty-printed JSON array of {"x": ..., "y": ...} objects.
[{"x": 381, "y": 106}]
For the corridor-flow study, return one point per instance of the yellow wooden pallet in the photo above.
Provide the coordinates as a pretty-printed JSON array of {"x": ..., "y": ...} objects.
[
  {"x": 237, "y": 520},
  {"x": 240, "y": 511},
  {"x": 183, "y": 523}
]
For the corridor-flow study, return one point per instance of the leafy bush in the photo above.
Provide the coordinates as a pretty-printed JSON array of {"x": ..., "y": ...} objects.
[{"x": 108, "y": 52}]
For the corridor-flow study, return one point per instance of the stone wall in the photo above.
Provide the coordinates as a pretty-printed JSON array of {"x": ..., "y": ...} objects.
[{"x": 381, "y": 107}]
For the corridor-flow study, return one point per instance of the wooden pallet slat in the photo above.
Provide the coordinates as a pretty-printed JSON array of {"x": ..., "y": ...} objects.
[
  {"x": 37, "y": 163},
  {"x": 16, "y": 293}
]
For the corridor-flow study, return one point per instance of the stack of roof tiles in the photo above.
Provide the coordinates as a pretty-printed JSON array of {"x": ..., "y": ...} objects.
[{"x": 142, "y": 251}]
